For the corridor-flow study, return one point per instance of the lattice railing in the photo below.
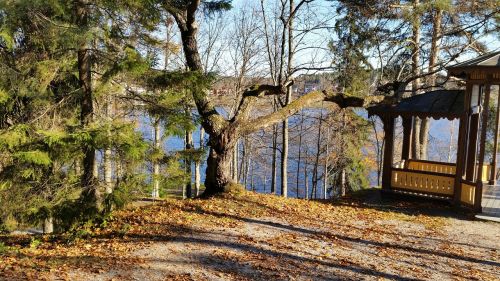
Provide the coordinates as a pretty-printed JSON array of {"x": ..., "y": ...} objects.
[
  {"x": 424, "y": 182},
  {"x": 443, "y": 168},
  {"x": 428, "y": 166}
]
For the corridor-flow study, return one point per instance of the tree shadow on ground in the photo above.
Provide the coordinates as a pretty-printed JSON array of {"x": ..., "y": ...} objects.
[
  {"x": 401, "y": 203},
  {"x": 275, "y": 254},
  {"x": 331, "y": 236}
]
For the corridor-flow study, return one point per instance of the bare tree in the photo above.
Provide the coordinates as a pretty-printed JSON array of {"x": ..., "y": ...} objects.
[{"x": 224, "y": 133}]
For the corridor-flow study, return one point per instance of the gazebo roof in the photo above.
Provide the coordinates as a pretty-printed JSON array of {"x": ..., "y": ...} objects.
[
  {"x": 489, "y": 61},
  {"x": 436, "y": 104}
]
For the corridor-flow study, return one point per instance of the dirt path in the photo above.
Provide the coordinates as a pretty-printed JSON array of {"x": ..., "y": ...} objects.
[
  {"x": 269, "y": 248},
  {"x": 259, "y": 237}
]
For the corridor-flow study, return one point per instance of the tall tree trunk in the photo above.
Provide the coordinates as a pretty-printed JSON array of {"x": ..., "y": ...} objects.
[
  {"x": 197, "y": 173},
  {"x": 306, "y": 177},
  {"x": 415, "y": 142},
  {"x": 89, "y": 182},
  {"x": 235, "y": 163},
  {"x": 246, "y": 161},
  {"x": 108, "y": 170},
  {"x": 284, "y": 159},
  {"x": 415, "y": 66},
  {"x": 318, "y": 153},
  {"x": 241, "y": 175},
  {"x": 300, "y": 151},
  {"x": 379, "y": 146},
  {"x": 274, "y": 159},
  {"x": 107, "y": 159},
  {"x": 343, "y": 183},
  {"x": 168, "y": 42},
  {"x": 95, "y": 171},
  {"x": 325, "y": 173},
  {"x": 433, "y": 60},
  {"x": 156, "y": 164},
  {"x": 218, "y": 174},
  {"x": 189, "y": 172},
  {"x": 288, "y": 98},
  {"x": 452, "y": 132},
  {"x": 252, "y": 187}
]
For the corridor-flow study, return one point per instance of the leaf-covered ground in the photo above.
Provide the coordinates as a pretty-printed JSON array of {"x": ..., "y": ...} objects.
[{"x": 252, "y": 236}]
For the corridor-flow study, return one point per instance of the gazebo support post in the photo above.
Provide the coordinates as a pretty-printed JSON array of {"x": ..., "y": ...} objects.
[
  {"x": 388, "y": 152},
  {"x": 472, "y": 142},
  {"x": 484, "y": 123},
  {"x": 495, "y": 145},
  {"x": 459, "y": 171},
  {"x": 407, "y": 136}
]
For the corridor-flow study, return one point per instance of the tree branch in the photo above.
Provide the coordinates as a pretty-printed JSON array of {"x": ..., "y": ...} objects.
[
  {"x": 342, "y": 101},
  {"x": 256, "y": 91}
]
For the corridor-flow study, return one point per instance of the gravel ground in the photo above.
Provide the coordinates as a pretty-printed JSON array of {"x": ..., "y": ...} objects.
[{"x": 314, "y": 241}]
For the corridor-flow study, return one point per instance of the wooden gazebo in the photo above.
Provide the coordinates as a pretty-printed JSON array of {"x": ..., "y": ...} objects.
[{"x": 461, "y": 182}]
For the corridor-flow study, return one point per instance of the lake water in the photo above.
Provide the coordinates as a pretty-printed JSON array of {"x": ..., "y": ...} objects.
[{"x": 438, "y": 151}]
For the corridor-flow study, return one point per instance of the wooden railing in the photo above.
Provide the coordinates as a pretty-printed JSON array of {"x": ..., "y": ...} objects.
[
  {"x": 431, "y": 166},
  {"x": 468, "y": 193},
  {"x": 443, "y": 168},
  {"x": 423, "y": 182}
]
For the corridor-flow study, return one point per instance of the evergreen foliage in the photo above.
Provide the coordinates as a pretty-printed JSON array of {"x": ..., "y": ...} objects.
[{"x": 40, "y": 133}]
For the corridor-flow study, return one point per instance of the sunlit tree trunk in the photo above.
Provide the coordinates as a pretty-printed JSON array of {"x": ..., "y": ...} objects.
[
  {"x": 325, "y": 173},
  {"x": 343, "y": 183},
  {"x": 288, "y": 98},
  {"x": 107, "y": 158},
  {"x": 274, "y": 159},
  {"x": 306, "y": 177},
  {"x": 235, "y": 163},
  {"x": 452, "y": 132},
  {"x": 247, "y": 159},
  {"x": 415, "y": 66},
  {"x": 156, "y": 164},
  {"x": 343, "y": 176},
  {"x": 433, "y": 60},
  {"x": 252, "y": 187},
  {"x": 189, "y": 172},
  {"x": 284, "y": 158},
  {"x": 197, "y": 173},
  {"x": 318, "y": 154},
  {"x": 300, "y": 151}
]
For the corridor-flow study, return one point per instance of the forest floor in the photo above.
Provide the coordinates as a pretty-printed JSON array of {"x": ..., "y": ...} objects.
[{"x": 251, "y": 236}]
